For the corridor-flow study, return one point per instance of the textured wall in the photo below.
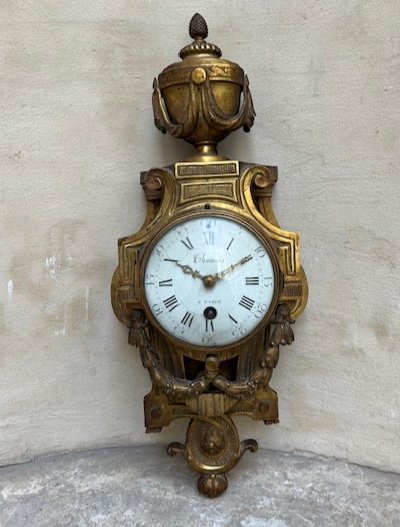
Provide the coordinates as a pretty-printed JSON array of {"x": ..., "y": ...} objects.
[{"x": 77, "y": 130}]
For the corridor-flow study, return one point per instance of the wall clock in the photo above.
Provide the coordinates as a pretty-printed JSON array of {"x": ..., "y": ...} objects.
[{"x": 210, "y": 285}]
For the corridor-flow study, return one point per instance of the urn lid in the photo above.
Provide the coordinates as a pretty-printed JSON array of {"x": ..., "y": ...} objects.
[{"x": 200, "y": 53}]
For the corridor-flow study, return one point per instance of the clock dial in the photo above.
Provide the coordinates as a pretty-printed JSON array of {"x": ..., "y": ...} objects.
[{"x": 209, "y": 281}]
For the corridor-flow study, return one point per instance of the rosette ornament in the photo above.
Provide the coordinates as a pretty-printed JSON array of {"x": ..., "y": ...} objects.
[{"x": 203, "y": 98}]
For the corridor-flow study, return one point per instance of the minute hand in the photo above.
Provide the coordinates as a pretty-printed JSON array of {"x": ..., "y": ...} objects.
[{"x": 242, "y": 261}]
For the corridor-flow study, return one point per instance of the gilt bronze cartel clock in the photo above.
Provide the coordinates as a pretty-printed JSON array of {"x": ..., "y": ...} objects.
[{"x": 210, "y": 285}]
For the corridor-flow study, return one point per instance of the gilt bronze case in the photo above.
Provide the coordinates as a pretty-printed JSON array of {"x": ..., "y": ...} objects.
[{"x": 201, "y": 99}]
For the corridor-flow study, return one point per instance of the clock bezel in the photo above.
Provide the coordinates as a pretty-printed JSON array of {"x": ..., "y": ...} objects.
[{"x": 253, "y": 227}]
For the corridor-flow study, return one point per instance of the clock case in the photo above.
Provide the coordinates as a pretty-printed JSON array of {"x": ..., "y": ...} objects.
[{"x": 209, "y": 386}]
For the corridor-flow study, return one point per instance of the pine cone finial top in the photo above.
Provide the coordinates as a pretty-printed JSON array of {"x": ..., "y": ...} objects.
[
  {"x": 198, "y": 30},
  {"x": 198, "y": 27}
]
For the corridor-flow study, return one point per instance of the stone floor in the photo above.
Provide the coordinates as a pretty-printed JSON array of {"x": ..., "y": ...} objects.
[{"x": 142, "y": 486}]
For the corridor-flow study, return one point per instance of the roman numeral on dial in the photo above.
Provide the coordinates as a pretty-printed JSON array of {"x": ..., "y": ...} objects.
[
  {"x": 165, "y": 283},
  {"x": 171, "y": 303},
  {"x": 252, "y": 280},
  {"x": 187, "y": 243},
  {"x": 209, "y": 237},
  {"x": 209, "y": 325},
  {"x": 246, "y": 302},
  {"x": 187, "y": 319}
]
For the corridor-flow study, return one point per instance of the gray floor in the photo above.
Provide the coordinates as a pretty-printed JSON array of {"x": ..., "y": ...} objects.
[{"x": 144, "y": 487}]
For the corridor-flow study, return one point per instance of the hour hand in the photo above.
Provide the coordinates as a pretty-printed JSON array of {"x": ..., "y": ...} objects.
[{"x": 188, "y": 270}]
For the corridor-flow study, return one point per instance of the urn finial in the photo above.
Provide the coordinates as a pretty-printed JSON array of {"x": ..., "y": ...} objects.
[
  {"x": 198, "y": 27},
  {"x": 203, "y": 98}
]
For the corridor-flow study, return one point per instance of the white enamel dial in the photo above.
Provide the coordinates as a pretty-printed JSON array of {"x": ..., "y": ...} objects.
[{"x": 209, "y": 281}]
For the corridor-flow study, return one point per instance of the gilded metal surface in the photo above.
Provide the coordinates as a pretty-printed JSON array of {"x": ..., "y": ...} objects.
[{"x": 202, "y": 99}]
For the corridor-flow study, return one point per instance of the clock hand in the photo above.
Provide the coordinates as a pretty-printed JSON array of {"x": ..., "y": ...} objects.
[
  {"x": 188, "y": 270},
  {"x": 221, "y": 274},
  {"x": 209, "y": 280}
]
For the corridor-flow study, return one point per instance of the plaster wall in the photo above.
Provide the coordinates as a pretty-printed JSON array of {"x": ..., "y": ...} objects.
[{"x": 77, "y": 128}]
